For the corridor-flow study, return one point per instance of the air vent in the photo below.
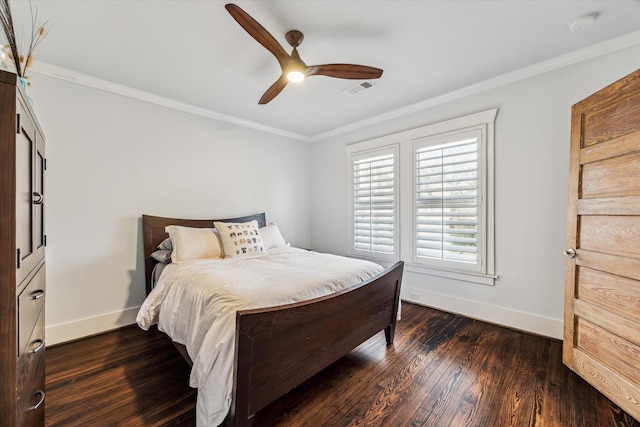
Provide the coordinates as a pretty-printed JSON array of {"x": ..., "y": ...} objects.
[{"x": 355, "y": 89}]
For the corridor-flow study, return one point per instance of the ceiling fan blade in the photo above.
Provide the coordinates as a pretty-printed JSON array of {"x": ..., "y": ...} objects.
[
  {"x": 258, "y": 32},
  {"x": 274, "y": 90},
  {"x": 344, "y": 71}
]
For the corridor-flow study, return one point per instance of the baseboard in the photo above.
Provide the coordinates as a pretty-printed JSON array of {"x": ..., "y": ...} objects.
[
  {"x": 510, "y": 318},
  {"x": 63, "y": 332},
  {"x": 524, "y": 321}
]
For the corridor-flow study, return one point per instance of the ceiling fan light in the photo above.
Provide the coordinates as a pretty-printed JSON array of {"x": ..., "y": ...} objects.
[{"x": 295, "y": 76}]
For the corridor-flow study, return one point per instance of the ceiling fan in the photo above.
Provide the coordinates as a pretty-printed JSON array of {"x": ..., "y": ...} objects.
[{"x": 293, "y": 68}]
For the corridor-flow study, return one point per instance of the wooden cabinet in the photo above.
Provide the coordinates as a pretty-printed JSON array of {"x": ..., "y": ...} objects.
[{"x": 22, "y": 258}]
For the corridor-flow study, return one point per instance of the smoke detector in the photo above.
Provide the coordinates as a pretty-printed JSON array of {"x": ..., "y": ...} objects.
[
  {"x": 582, "y": 23},
  {"x": 352, "y": 90}
]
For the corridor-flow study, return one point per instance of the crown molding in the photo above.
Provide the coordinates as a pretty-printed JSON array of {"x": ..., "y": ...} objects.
[
  {"x": 61, "y": 73},
  {"x": 590, "y": 52}
]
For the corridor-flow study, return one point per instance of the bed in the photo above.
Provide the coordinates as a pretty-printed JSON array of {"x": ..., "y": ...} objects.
[{"x": 276, "y": 348}]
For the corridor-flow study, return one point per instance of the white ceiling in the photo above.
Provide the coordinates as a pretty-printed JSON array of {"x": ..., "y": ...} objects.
[{"x": 195, "y": 53}]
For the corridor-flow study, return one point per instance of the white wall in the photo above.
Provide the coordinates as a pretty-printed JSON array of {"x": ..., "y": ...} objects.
[
  {"x": 531, "y": 173},
  {"x": 112, "y": 159}
]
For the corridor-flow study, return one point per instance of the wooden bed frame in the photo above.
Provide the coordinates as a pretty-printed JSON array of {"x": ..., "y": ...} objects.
[{"x": 278, "y": 348}]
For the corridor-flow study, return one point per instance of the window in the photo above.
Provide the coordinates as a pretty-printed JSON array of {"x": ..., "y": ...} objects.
[
  {"x": 426, "y": 196},
  {"x": 374, "y": 204},
  {"x": 448, "y": 189}
]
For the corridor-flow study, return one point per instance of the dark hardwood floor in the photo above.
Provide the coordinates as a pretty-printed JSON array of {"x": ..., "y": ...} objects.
[{"x": 443, "y": 370}]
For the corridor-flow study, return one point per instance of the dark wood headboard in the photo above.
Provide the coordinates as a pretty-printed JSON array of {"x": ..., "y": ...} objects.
[{"x": 153, "y": 234}]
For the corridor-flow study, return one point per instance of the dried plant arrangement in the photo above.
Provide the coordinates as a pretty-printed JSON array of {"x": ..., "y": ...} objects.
[
  {"x": 38, "y": 32},
  {"x": 6, "y": 20}
]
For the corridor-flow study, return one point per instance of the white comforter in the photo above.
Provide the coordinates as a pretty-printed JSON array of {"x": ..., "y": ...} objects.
[{"x": 195, "y": 303}]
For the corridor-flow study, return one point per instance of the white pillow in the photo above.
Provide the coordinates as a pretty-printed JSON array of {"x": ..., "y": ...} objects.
[
  {"x": 193, "y": 243},
  {"x": 240, "y": 238},
  {"x": 271, "y": 236}
]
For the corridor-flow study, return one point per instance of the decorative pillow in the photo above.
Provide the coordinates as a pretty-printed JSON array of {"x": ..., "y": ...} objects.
[
  {"x": 166, "y": 244},
  {"x": 240, "y": 238},
  {"x": 271, "y": 236},
  {"x": 193, "y": 243},
  {"x": 162, "y": 255}
]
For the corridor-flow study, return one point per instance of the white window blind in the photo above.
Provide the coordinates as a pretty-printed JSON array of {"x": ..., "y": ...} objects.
[
  {"x": 426, "y": 195},
  {"x": 447, "y": 192},
  {"x": 374, "y": 194}
]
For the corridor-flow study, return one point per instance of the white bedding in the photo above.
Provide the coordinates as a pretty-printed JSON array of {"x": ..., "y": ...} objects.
[{"x": 195, "y": 303}]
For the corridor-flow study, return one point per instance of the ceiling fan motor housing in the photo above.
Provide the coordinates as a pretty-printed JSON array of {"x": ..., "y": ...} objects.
[{"x": 294, "y": 38}]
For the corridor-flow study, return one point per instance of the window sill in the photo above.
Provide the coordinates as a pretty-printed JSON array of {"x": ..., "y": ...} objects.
[{"x": 482, "y": 279}]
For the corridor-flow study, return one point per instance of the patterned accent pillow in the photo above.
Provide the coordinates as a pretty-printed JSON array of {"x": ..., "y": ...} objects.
[{"x": 240, "y": 238}]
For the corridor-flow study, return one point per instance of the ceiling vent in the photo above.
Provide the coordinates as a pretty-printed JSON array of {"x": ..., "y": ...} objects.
[{"x": 355, "y": 89}]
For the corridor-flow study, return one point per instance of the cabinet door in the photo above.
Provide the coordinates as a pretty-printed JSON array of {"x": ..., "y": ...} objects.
[
  {"x": 39, "y": 199},
  {"x": 29, "y": 197}
]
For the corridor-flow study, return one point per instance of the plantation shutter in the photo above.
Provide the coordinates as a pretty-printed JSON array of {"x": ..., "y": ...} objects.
[
  {"x": 448, "y": 200},
  {"x": 374, "y": 194}
]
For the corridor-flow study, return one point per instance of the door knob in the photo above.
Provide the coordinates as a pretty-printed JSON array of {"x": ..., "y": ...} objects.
[{"x": 571, "y": 253}]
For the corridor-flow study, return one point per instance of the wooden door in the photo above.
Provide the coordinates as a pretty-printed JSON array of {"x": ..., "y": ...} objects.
[{"x": 602, "y": 284}]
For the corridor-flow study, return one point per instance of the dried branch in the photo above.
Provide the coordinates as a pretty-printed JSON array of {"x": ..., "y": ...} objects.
[
  {"x": 6, "y": 21},
  {"x": 38, "y": 33}
]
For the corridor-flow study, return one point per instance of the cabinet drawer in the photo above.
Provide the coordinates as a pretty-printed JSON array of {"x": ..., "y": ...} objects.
[
  {"x": 30, "y": 304},
  {"x": 31, "y": 373}
]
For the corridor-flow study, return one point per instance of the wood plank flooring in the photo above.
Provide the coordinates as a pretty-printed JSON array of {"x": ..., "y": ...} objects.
[{"x": 443, "y": 370}]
